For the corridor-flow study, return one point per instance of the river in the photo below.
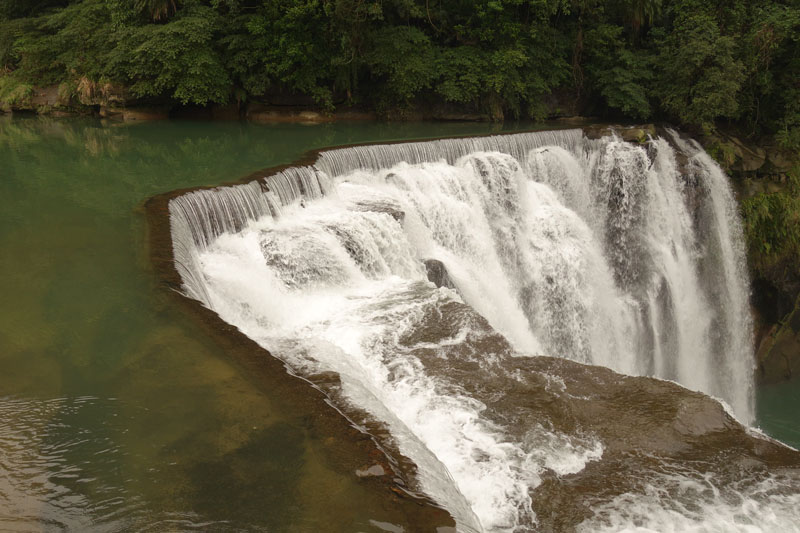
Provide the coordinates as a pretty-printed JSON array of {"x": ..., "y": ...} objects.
[{"x": 117, "y": 412}]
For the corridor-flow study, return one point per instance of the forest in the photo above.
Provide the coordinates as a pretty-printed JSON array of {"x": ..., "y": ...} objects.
[
  {"x": 692, "y": 62},
  {"x": 700, "y": 65}
]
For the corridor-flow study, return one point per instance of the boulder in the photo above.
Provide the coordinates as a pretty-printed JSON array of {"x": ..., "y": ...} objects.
[
  {"x": 45, "y": 97},
  {"x": 311, "y": 116},
  {"x": 575, "y": 120},
  {"x": 749, "y": 157},
  {"x": 437, "y": 274},
  {"x": 387, "y": 206},
  {"x": 638, "y": 134},
  {"x": 780, "y": 160},
  {"x": 635, "y": 134}
]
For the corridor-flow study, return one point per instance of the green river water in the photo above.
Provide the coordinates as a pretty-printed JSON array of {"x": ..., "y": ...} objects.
[{"x": 116, "y": 411}]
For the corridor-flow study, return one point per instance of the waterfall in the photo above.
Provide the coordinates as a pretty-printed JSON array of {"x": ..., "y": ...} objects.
[
  {"x": 598, "y": 251},
  {"x": 199, "y": 217}
]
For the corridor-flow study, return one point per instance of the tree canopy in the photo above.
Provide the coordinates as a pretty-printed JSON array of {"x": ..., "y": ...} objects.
[{"x": 689, "y": 61}]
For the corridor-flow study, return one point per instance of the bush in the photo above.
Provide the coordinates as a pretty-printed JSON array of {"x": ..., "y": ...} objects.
[
  {"x": 14, "y": 92},
  {"x": 772, "y": 230}
]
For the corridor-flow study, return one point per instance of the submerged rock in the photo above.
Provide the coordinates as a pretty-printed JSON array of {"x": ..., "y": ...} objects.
[
  {"x": 374, "y": 470},
  {"x": 387, "y": 206}
]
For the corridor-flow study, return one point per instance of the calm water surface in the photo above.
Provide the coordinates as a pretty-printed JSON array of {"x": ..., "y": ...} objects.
[
  {"x": 779, "y": 411},
  {"x": 116, "y": 413}
]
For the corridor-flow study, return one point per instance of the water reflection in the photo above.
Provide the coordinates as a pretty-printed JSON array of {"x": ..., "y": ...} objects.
[{"x": 59, "y": 465}]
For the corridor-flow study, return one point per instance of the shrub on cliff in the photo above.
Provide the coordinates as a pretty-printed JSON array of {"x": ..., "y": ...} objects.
[{"x": 772, "y": 230}]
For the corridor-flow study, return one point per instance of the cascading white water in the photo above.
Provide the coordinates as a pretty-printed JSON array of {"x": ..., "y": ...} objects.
[{"x": 598, "y": 251}]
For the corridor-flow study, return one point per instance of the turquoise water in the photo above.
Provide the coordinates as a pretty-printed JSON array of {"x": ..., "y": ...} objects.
[
  {"x": 779, "y": 411},
  {"x": 116, "y": 410}
]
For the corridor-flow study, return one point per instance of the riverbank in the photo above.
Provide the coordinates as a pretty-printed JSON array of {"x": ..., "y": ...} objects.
[{"x": 116, "y": 102}]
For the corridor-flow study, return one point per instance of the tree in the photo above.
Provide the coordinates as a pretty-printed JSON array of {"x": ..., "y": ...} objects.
[
  {"x": 157, "y": 10},
  {"x": 700, "y": 74}
]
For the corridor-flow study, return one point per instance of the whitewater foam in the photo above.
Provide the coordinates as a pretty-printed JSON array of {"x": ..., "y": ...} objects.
[{"x": 587, "y": 250}]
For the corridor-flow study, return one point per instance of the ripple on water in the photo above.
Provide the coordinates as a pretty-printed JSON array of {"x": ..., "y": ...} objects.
[
  {"x": 58, "y": 465},
  {"x": 62, "y": 467}
]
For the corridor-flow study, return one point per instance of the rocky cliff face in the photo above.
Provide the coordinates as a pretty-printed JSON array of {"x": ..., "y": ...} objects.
[
  {"x": 778, "y": 352},
  {"x": 743, "y": 159}
]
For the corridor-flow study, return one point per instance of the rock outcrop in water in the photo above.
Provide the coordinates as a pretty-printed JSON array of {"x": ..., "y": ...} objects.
[
  {"x": 437, "y": 274},
  {"x": 653, "y": 433},
  {"x": 380, "y": 206},
  {"x": 656, "y": 436}
]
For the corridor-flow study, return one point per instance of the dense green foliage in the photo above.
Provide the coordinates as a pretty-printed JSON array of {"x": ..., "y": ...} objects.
[
  {"x": 690, "y": 61},
  {"x": 772, "y": 229}
]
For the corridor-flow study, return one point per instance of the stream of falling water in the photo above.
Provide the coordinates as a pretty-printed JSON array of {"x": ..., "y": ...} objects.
[{"x": 598, "y": 251}]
